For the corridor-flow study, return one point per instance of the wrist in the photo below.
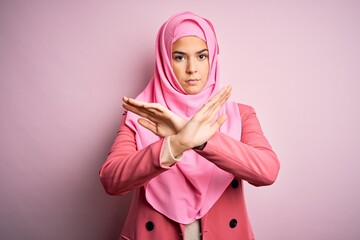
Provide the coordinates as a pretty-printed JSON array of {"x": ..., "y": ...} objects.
[
  {"x": 200, "y": 147},
  {"x": 177, "y": 147}
]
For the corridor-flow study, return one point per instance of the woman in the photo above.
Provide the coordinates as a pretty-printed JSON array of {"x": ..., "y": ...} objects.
[{"x": 188, "y": 153}]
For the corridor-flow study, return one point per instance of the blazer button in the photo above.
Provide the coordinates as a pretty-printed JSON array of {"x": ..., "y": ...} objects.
[
  {"x": 149, "y": 226},
  {"x": 233, "y": 223},
  {"x": 235, "y": 183}
]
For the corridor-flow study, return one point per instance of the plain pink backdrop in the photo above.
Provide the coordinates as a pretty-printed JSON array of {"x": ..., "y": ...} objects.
[{"x": 64, "y": 66}]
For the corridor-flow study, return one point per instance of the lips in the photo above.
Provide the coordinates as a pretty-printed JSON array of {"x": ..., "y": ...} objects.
[{"x": 192, "y": 81}]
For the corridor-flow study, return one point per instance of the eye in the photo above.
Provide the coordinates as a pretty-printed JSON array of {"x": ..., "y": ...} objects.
[
  {"x": 203, "y": 56},
  {"x": 179, "y": 58}
]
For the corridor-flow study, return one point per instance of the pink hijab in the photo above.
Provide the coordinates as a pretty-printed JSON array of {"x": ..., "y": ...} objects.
[{"x": 191, "y": 187}]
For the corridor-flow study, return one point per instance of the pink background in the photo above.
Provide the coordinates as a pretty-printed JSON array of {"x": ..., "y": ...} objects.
[{"x": 64, "y": 66}]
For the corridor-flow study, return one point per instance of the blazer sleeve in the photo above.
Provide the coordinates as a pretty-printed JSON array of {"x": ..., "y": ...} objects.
[
  {"x": 126, "y": 168},
  {"x": 251, "y": 159}
]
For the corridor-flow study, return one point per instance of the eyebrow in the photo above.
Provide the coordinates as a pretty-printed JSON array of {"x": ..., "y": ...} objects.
[{"x": 198, "y": 52}]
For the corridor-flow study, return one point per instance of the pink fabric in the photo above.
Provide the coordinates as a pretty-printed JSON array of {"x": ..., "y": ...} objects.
[{"x": 191, "y": 187}]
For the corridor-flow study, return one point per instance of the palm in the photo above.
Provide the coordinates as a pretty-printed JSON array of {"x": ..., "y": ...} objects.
[
  {"x": 155, "y": 117},
  {"x": 202, "y": 125}
]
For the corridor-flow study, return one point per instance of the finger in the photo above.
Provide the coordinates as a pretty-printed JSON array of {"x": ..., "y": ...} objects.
[
  {"x": 225, "y": 96},
  {"x": 217, "y": 124},
  {"x": 155, "y": 108},
  {"x": 133, "y": 109},
  {"x": 215, "y": 98},
  {"x": 213, "y": 108},
  {"x": 222, "y": 98},
  {"x": 216, "y": 107},
  {"x": 148, "y": 125},
  {"x": 222, "y": 93},
  {"x": 134, "y": 102},
  {"x": 139, "y": 111},
  {"x": 214, "y": 101},
  {"x": 152, "y": 107}
]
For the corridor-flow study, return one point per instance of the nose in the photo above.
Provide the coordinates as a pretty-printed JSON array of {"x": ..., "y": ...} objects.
[{"x": 191, "y": 66}]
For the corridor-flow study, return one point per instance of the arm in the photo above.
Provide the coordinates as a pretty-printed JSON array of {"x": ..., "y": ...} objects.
[
  {"x": 126, "y": 168},
  {"x": 251, "y": 159}
]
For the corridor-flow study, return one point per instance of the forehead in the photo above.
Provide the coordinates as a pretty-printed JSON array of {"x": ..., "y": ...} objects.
[{"x": 189, "y": 44}]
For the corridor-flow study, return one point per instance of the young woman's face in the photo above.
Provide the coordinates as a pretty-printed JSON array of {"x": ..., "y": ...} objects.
[{"x": 190, "y": 63}]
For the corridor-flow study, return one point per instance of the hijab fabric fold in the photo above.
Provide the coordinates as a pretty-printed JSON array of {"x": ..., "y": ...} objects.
[{"x": 191, "y": 187}]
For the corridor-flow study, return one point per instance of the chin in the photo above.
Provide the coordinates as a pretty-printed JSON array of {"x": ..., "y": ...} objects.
[{"x": 192, "y": 91}]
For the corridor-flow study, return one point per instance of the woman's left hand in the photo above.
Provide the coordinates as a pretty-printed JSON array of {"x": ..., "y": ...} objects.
[
  {"x": 202, "y": 125},
  {"x": 156, "y": 118}
]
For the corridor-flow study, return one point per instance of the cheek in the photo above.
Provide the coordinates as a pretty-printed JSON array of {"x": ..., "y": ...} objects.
[
  {"x": 177, "y": 71},
  {"x": 206, "y": 69}
]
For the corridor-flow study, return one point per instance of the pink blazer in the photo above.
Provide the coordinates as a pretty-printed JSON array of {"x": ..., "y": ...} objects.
[{"x": 251, "y": 159}]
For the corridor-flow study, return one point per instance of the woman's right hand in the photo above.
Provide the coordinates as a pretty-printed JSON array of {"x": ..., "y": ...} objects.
[{"x": 156, "y": 118}]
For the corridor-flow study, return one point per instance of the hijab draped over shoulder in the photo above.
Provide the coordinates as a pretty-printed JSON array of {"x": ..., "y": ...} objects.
[{"x": 191, "y": 187}]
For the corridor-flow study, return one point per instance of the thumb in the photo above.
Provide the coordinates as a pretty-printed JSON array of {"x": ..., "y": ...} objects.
[
  {"x": 148, "y": 125},
  {"x": 220, "y": 121}
]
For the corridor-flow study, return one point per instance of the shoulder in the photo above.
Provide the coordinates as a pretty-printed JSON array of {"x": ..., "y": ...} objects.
[
  {"x": 245, "y": 111},
  {"x": 244, "y": 108}
]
